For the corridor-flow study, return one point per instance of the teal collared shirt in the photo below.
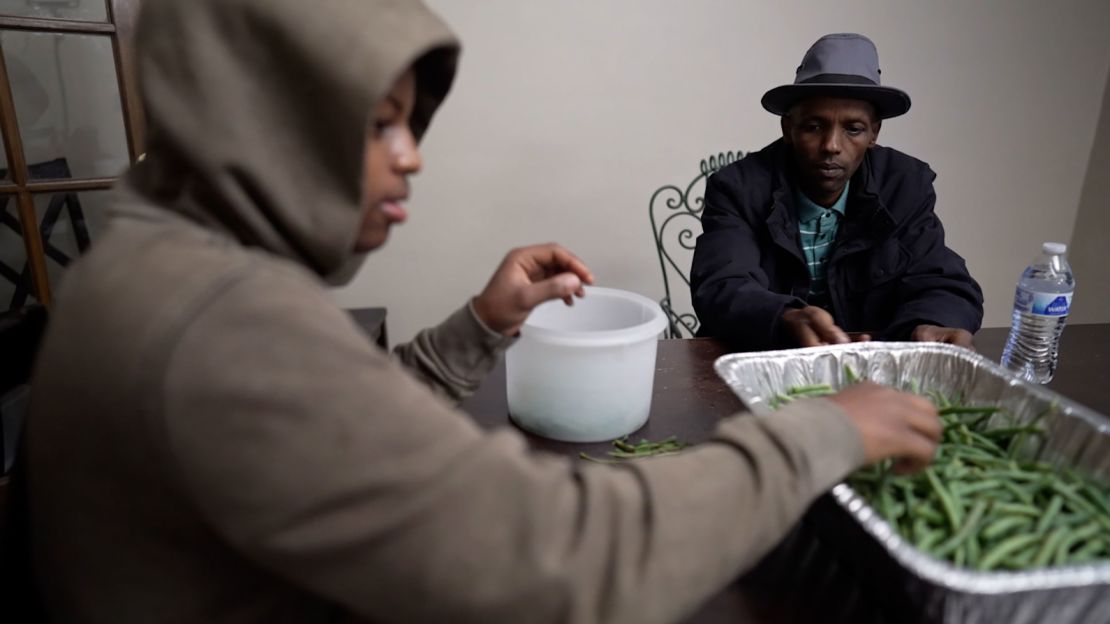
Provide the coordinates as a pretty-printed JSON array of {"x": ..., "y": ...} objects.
[{"x": 817, "y": 227}]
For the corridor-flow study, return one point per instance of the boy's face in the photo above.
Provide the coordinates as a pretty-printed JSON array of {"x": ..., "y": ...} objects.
[{"x": 391, "y": 156}]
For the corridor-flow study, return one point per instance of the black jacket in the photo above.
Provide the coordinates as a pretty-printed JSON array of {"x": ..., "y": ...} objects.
[{"x": 888, "y": 271}]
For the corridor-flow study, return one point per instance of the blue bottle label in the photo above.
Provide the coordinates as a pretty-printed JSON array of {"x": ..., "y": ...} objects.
[{"x": 1044, "y": 304}]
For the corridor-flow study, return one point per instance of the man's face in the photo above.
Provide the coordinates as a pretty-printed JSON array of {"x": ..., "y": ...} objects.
[
  {"x": 391, "y": 156},
  {"x": 829, "y": 137}
]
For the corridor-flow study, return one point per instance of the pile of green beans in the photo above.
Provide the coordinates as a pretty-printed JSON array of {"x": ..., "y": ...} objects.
[
  {"x": 799, "y": 392},
  {"x": 624, "y": 450},
  {"x": 982, "y": 504}
]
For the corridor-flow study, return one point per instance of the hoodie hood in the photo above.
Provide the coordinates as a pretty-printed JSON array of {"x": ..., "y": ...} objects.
[{"x": 258, "y": 112}]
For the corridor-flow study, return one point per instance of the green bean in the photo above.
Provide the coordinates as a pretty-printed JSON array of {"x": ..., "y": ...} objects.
[
  {"x": 930, "y": 514},
  {"x": 887, "y": 507},
  {"x": 964, "y": 409},
  {"x": 1022, "y": 495},
  {"x": 973, "y": 550},
  {"x": 1076, "y": 518},
  {"x": 1054, "y": 507},
  {"x": 1072, "y": 497},
  {"x": 984, "y": 463},
  {"x": 955, "y": 470},
  {"x": 1091, "y": 550},
  {"x": 1015, "y": 475},
  {"x": 1085, "y": 507},
  {"x": 938, "y": 398},
  {"x": 1004, "y": 525},
  {"x": 971, "y": 523},
  {"x": 1018, "y": 508},
  {"x": 918, "y": 528},
  {"x": 971, "y": 451},
  {"x": 884, "y": 477},
  {"x": 1021, "y": 559},
  {"x": 930, "y": 539},
  {"x": 1097, "y": 497},
  {"x": 1086, "y": 531},
  {"x": 907, "y": 495},
  {"x": 951, "y": 437},
  {"x": 850, "y": 375},
  {"x": 1005, "y": 548},
  {"x": 1008, "y": 432},
  {"x": 985, "y": 442},
  {"x": 1045, "y": 412},
  {"x": 946, "y": 502},
  {"x": 965, "y": 433},
  {"x": 623, "y": 449},
  {"x": 808, "y": 390},
  {"x": 624, "y": 446},
  {"x": 982, "y": 418},
  {"x": 640, "y": 454},
  {"x": 1049, "y": 546},
  {"x": 1018, "y": 441},
  {"x": 972, "y": 488}
]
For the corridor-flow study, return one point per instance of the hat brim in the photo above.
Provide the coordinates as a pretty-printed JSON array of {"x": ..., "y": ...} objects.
[{"x": 889, "y": 102}]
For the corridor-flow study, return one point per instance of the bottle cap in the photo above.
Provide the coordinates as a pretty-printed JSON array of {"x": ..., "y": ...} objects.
[{"x": 1056, "y": 249}]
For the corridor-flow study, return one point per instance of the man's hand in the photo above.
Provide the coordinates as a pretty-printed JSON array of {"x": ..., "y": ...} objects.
[
  {"x": 527, "y": 277},
  {"x": 812, "y": 326},
  {"x": 948, "y": 335},
  {"x": 893, "y": 424}
]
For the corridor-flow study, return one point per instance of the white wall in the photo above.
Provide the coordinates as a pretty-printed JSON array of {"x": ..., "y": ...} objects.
[
  {"x": 1090, "y": 248},
  {"x": 567, "y": 114}
]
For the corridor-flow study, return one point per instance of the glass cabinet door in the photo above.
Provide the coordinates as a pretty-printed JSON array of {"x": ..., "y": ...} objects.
[{"x": 71, "y": 126}]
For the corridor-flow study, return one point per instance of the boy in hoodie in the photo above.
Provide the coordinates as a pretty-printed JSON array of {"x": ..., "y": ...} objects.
[{"x": 213, "y": 440}]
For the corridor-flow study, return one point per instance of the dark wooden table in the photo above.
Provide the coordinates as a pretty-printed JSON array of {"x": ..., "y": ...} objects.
[{"x": 796, "y": 582}]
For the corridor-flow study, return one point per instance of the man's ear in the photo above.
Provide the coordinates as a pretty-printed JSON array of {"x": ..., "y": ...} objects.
[
  {"x": 785, "y": 124},
  {"x": 875, "y": 135}
]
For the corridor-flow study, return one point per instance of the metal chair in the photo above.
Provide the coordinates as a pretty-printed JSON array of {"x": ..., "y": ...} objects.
[
  {"x": 21, "y": 277},
  {"x": 675, "y": 213}
]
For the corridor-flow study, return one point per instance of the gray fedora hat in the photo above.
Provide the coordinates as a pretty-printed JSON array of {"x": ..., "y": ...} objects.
[{"x": 842, "y": 65}]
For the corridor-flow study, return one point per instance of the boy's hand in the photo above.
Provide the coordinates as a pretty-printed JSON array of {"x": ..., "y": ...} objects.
[
  {"x": 893, "y": 424},
  {"x": 527, "y": 277},
  {"x": 949, "y": 335},
  {"x": 812, "y": 326}
]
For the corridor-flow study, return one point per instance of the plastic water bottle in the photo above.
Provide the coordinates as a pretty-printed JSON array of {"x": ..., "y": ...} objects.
[{"x": 1041, "y": 306}]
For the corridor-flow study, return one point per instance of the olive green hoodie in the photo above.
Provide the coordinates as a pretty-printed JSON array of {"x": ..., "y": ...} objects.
[{"x": 211, "y": 439}]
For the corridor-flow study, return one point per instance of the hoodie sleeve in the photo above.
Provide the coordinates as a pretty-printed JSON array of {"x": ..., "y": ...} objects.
[
  {"x": 324, "y": 462},
  {"x": 728, "y": 287},
  {"x": 454, "y": 357}
]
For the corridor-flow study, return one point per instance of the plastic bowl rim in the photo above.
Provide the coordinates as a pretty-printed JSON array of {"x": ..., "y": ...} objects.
[{"x": 603, "y": 338}]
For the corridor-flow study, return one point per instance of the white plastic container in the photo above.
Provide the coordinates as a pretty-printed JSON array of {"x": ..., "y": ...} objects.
[{"x": 584, "y": 373}]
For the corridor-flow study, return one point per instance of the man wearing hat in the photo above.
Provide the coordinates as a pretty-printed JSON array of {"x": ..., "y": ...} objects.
[{"x": 825, "y": 233}]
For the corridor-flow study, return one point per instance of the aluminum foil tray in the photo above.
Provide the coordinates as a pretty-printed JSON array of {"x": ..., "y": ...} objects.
[{"x": 928, "y": 589}]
